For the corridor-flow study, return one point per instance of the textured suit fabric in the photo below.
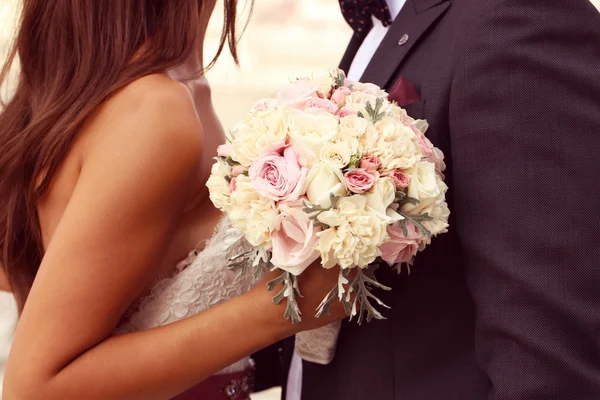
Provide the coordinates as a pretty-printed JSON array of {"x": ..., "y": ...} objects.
[{"x": 506, "y": 306}]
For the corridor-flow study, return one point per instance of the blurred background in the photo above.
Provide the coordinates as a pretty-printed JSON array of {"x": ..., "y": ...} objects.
[{"x": 284, "y": 39}]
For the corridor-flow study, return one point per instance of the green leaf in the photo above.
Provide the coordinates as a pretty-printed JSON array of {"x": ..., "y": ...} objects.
[{"x": 417, "y": 220}]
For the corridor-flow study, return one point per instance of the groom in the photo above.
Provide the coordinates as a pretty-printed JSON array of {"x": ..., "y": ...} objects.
[{"x": 505, "y": 306}]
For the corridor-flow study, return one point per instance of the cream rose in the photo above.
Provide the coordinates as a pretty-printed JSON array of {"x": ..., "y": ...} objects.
[
  {"x": 259, "y": 130},
  {"x": 310, "y": 130},
  {"x": 354, "y": 236},
  {"x": 382, "y": 195},
  {"x": 336, "y": 154},
  {"x": 426, "y": 187},
  {"x": 252, "y": 213},
  {"x": 323, "y": 180},
  {"x": 353, "y": 125},
  {"x": 218, "y": 185}
]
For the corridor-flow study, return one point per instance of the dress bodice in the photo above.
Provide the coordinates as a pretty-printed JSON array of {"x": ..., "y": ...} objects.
[{"x": 200, "y": 282}]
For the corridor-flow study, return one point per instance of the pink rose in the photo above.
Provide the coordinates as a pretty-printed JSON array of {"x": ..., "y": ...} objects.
[
  {"x": 339, "y": 96},
  {"x": 232, "y": 185},
  {"x": 400, "y": 179},
  {"x": 297, "y": 94},
  {"x": 294, "y": 238},
  {"x": 277, "y": 174},
  {"x": 359, "y": 180},
  {"x": 324, "y": 104},
  {"x": 437, "y": 158},
  {"x": 224, "y": 150},
  {"x": 237, "y": 170},
  {"x": 345, "y": 113},
  {"x": 400, "y": 249},
  {"x": 370, "y": 163}
]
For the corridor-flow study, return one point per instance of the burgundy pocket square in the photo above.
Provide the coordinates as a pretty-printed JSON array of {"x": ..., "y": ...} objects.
[{"x": 404, "y": 92}]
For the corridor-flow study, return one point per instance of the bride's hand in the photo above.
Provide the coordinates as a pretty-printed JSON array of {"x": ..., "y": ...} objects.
[{"x": 314, "y": 284}]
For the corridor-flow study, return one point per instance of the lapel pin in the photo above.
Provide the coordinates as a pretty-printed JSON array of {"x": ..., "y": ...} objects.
[{"x": 403, "y": 40}]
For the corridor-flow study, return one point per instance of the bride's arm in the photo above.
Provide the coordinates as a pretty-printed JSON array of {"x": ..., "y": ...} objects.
[{"x": 125, "y": 206}]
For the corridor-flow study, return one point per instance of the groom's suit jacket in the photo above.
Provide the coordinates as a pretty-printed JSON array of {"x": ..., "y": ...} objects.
[{"x": 506, "y": 305}]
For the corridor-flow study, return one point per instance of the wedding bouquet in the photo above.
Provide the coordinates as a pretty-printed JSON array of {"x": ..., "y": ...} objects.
[{"x": 329, "y": 168}]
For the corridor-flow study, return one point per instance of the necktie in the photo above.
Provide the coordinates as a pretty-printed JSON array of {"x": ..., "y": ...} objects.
[{"x": 357, "y": 14}]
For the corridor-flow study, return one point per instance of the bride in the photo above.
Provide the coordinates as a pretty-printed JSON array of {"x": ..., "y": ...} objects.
[{"x": 113, "y": 251}]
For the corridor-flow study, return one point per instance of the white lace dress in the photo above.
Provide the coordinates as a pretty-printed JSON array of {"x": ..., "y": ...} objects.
[{"x": 200, "y": 282}]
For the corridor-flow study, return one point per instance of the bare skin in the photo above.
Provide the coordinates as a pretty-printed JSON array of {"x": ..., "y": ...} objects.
[{"x": 123, "y": 209}]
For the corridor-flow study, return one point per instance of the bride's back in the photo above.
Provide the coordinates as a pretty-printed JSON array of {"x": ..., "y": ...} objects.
[{"x": 135, "y": 102}]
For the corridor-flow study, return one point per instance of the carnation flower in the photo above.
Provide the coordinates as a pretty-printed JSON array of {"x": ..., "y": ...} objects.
[
  {"x": 219, "y": 186},
  {"x": 354, "y": 234},
  {"x": 252, "y": 213}
]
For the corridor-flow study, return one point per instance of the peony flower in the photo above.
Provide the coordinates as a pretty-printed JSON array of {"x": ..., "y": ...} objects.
[
  {"x": 400, "y": 249},
  {"x": 252, "y": 213},
  {"x": 294, "y": 239},
  {"x": 310, "y": 130},
  {"x": 277, "y": 174},
  {"x": 382, "y": 196},
  {"x": 322, "y": 180},
  {"x": 219, "y": 186},
  {"x": 224, "y": 150},
  {"x": 297, "y": 94},
  {"x": 339, "y": 96},
  {"x": 370, "y": 163},
  {"x": 354, "y": 234},
  {"x": 400, "y": 179},
  {"x": 323, "y": 104},
  {"x": 336, "y": 154},
  {"x": 259, "y": 130},
  {"x": 360, "y": 180}
]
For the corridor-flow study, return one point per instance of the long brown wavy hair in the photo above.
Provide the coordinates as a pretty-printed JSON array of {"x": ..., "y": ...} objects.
[{"x": 74, "y": 55}]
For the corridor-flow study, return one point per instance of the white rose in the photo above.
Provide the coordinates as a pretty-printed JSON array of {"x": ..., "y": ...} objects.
[
  {"x": 256, "y": 132},
  {"x": 218, "y": 185},
  {"x": 311, "y": 129},
  {"x": 426, "y": 187},
  {"x": 336, "y": 154},
  {"x": 382, "y": 195},
  {"x": 322, "y": 180},
  {"x": 252, "y": 213},
  {"x": 353, "y": 125},
  {"x": 354, "y": 236}
]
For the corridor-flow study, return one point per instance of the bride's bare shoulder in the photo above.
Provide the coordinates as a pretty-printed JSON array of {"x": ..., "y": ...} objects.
[{"x": 153, "y": 108}]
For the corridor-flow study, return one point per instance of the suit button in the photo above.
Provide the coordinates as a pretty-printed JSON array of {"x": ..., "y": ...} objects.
[{"x": 403, "y": 40}]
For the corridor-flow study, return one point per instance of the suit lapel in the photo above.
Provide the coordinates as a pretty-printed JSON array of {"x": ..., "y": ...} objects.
[
  {"x": 351, "y": 50},
  {"x": 411, "y": 23}
]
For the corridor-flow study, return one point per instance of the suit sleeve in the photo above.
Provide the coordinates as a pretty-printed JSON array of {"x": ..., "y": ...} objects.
[{"x": 525, "y": 167}]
